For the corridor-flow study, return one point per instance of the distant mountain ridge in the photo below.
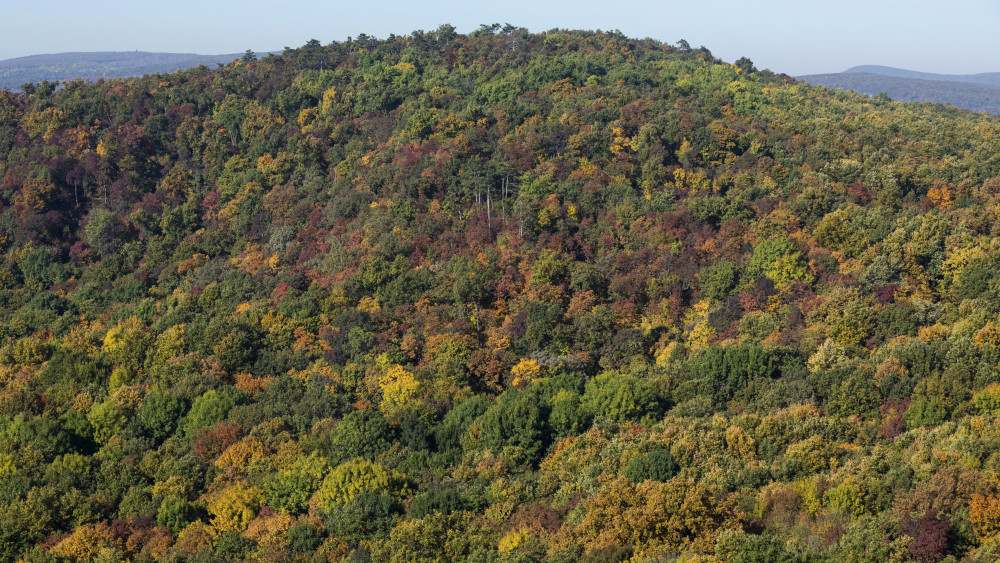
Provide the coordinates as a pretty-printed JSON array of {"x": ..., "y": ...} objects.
[
  {"x": 988, "y": 78},
  {"x": 975, "y": 92},
  {"x": 95, "y": 65}
]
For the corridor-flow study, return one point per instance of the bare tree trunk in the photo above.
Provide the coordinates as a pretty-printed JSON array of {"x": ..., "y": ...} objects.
[{"x": 503, "y": 200}]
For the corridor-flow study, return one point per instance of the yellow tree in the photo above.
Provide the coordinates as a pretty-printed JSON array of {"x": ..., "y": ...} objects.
[
  {"x": 984, "y": 515},
  {"x": 127, "y": 343},
  {"x": 350, "y": 479},
  {"x": 234, "y": 507},
  {"x": 399, "y": 386},
  {"x": 242, "y": 453},
  {"x": 656, "y": 518}
]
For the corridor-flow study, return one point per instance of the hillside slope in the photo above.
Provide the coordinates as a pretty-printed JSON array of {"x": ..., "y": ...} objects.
[{"x": 567, "y": 296}]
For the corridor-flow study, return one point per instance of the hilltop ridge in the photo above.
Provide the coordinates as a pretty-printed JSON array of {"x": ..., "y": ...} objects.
[
  {"x": 976, "y": 92},
  {"x": 987, "y": 78}
]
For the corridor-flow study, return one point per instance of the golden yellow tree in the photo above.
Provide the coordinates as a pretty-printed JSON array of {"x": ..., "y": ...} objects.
[{"x": 234, "y": 507}]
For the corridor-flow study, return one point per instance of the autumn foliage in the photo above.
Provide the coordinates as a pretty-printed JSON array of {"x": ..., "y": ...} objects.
[{"x": 504, "y": 296}]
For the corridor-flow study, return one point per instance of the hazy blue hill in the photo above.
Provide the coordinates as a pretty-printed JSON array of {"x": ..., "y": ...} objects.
[
  {"x": 961, "y": 94},
  {"x": 988, "y": 78},
  {"x": 94, "y": 65}
]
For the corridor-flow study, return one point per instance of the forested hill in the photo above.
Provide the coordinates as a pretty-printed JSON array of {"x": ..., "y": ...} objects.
[
  {"x": 92, "y": 66},
  {"x": 961, "y": 94},
  {"x": 988, "y": 78},
  {"x": 566, "y": 296}
]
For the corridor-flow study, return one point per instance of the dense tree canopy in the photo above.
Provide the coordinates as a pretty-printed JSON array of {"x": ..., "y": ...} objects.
[{"x": 499, "y": 296}]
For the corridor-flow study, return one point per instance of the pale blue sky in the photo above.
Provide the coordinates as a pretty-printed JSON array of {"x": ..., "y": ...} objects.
[{"x": 791, "y": 36}]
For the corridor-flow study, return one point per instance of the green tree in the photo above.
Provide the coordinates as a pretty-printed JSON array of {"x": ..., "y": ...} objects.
[
  {"x": 159, "y": 414},
  {"x": 304, "y": 538},
  {"x": 365, "y": 517},
  {"x": 656, "y": 465},
  {"x": 175, "y": 513},
  {"x": 621, "y": 398},
  {"x": 107, "y": 419},
  {"x": 719, "y": 280},
  {"x": 515, "y": 421},
  {"x": 362, "y": 433},
  {"x": 208, "y": 409},
  {"x": 289, "y": 490},
  {"x": 567, "y": 416},
  {"x": 738, "y": 546}
]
